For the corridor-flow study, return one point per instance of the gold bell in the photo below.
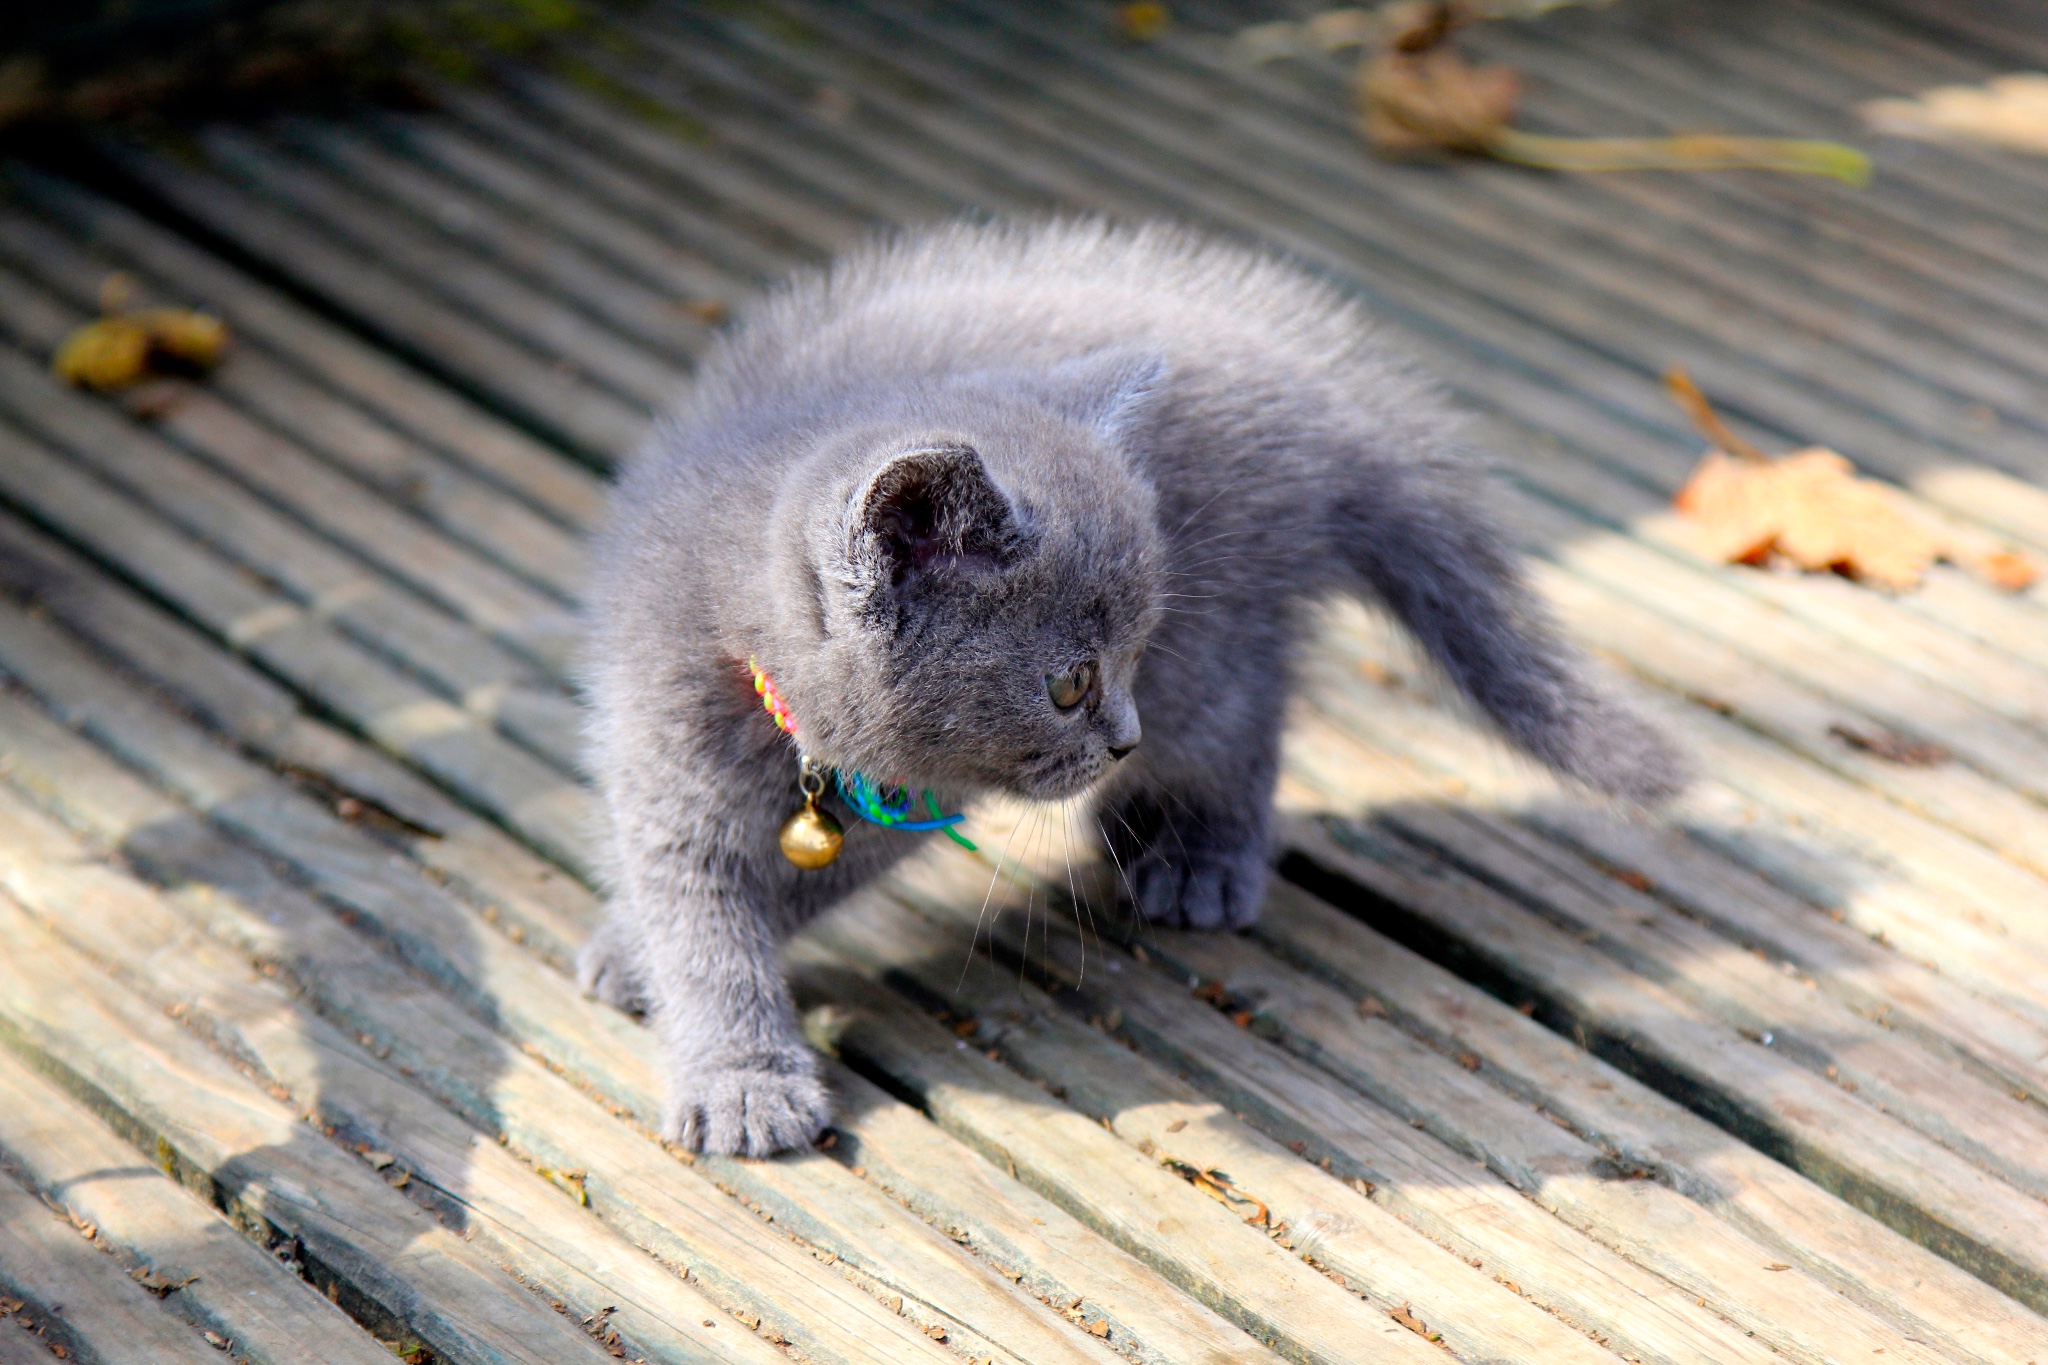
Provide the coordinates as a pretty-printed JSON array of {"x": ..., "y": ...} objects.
[{"x": 811, "y": 838}]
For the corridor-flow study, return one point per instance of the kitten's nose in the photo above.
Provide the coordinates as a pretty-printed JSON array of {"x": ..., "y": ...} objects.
[{"x": 1119, "y": 720}]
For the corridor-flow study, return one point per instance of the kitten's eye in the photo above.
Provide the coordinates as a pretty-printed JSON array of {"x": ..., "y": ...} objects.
[{"x": 1069, "y": 689}]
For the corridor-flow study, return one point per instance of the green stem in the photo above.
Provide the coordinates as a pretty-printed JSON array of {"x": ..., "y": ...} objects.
[{"x": 1689, "y": 152}]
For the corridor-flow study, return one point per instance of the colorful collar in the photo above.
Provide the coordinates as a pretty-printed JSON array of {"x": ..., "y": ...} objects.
[{"x": 866, "y": 798}]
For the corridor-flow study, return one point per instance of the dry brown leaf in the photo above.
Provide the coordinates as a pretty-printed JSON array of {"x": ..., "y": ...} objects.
[
  {"x": 1417, "y": 96},
  {"x": 1219, "y": 1187},
  {"x": 1808, "y": 509},
  {"x": 2006, "y": 111},
  {"x": 1893, "y": 747},
  {"x": 1405, "y": 1315}
]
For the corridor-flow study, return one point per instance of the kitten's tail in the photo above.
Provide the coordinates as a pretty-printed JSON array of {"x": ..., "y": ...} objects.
[{"x": 1416, "y": 531}]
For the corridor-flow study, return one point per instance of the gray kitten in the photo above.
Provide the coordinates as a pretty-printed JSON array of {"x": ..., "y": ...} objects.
[{"x": 946, "y": 494}]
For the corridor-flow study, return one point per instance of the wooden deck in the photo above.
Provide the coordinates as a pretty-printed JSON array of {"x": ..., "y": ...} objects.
[{"x": 292, "y": 846}]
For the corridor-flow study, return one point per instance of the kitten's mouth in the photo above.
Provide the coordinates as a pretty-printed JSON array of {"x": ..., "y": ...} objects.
[{"x": 1060, "y": 779}]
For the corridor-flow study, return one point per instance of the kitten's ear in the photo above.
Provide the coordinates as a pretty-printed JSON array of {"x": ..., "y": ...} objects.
[
  {"x": 1107, "y": 389},
  {"x": 925, "y": 512}
]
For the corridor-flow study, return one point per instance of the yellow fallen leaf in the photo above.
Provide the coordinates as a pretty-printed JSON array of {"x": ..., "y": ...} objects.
[
  {"x": 114, "y": 352},
  {"x": 1143, "y": 20},
  {"x": 198, "y": 339},
  {"x": 108, "y": 354},
  {"x": 2007, "y": 111}
]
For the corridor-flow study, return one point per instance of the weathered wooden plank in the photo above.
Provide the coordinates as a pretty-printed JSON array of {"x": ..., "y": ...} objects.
[
  {"x": 1758, "y": 916},
  {"x": 1749, "y": 912},
  {"x": 1455, "y": 1204},
  {"x": 1878, "y": 631},
  {"x": 544, "y": 806},
  {"x": 748, "y": 199},
  {"x": 1780, "y": 846},
  {"x": 1949, "y": 602},
  {"x": 202, "y": 1269},
  {"x": 497, "y": 1201},
  {"x": 913, "y": 112},
  {"x": 346, "y": 865},
  {"x": 1832, "y": 814},
  {"x": 1999, "y": 30},
  {"x": 523, "y": 894},
  {"x": 577, "y": 346},
  {"x": 1596, "y": 76},
  {"x": 438, "y": 337},
  {"x": 321, "y": 582},
  {"x": 1496, "y": 208},
  {"x": 533, "y": 624},
  {"x": 712, "y": 89},
  {"x": 1807, "y": 685},
  {"x": 1123, "y": 1194},
  {"x": 628, "y": 1180},
  {"x": 1656, "y": 1228},
  {"x": 79, "y": 1296},
  {"x": 434, "y": 415},
  {"x": 1845, "y": 1145},
  {"x": 473, "y": 510},
  {"x": 1709, "y": 669},
  {"x": 1400, "y": 220},
  {"x": 1641, "y": 383},
  {"x": 28, "y": 1345},
  {"x": 1678, "y": 84},
  {"x": 553, "y": 136},
  {"x": 218, "y": 1130},
  {"x": 1049, "y": 1251},
  {"x": 525, "y": 183},
  {"x": 443, "y": 275},
  {"x": 1900, "y": 1280},
  {"x": 1936, "y": 647},
  {"x": 923, "y": 1183},
  {"x": 1990, "y": 1124},
  {"x": 637, "y": 309},
  {"x": 1737, "y": 228}
]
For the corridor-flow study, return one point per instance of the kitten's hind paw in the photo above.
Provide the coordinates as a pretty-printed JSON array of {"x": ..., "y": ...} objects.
[
  {"x": 758, "y": 1110},
  {"x": 1193, "y": 889},
  {"x": 605, "y": 972}
]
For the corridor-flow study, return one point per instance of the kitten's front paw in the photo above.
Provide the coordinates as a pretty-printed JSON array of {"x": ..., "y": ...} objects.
[
  {"x": 771, "y": 1105},
  {"x": 1195, "y": 889},
  {"x": 604, "y": 969}
]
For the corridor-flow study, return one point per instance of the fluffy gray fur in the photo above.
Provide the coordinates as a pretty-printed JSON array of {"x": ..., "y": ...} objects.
[{"x": 915, "y": 485}]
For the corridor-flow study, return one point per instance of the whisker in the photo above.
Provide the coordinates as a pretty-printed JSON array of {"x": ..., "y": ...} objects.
[
  {"x": 1077, "y": 901},
  {"x": 974, "y": 939},
  {"x": 1108, "y": 847},
  {"x": 1030, "y": 895}
]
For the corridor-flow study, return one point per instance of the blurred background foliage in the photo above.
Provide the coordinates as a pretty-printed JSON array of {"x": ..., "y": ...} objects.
[{"x": 92, "y": 60}]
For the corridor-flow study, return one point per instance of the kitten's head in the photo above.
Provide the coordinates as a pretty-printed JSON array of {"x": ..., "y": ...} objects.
[{"x": 987, "y": 573}]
